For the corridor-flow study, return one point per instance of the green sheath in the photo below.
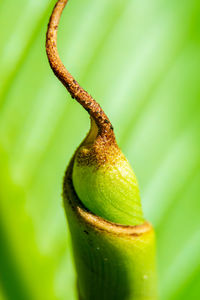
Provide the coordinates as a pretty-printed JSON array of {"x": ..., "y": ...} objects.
[{"x": 113, "y": 262}]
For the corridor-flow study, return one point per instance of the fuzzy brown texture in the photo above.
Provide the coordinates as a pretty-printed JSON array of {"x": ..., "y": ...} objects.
[
  {"x": 99, "y": 154},
  {"x": 97, "y": 150},
  {"x": 105, "y": 128}
]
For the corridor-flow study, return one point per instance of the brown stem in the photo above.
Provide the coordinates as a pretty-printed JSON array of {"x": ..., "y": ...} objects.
[{"x": 103, "y": 123}]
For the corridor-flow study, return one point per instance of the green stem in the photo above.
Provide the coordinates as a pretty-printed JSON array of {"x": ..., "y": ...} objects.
[
  {"x": 113, "y": 262},
  {"x": 114, "y": 248}
]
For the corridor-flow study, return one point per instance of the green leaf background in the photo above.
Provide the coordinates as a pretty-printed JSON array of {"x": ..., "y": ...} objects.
[{"x": 141, "y": 61}]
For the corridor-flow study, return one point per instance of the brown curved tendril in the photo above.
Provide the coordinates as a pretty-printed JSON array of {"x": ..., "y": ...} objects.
[{"x": 104, "y": 125}]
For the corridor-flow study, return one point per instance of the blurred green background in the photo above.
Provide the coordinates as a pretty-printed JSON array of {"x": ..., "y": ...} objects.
[{"x": 141, "y": 61}]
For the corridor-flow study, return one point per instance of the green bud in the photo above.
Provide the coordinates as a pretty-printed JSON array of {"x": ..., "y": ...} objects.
[{"x": 105, "y": 182}]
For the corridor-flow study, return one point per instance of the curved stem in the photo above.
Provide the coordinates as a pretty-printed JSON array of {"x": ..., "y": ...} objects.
[
  {"x": 104, "y": 125},
  {"x": 113, "y": 261}
]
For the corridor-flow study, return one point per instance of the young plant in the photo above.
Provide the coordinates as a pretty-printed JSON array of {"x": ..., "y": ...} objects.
[{"x": 114, "y": 247}]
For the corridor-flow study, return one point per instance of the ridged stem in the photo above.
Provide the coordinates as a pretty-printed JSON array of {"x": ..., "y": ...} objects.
[{"x": 113, "y": 262}]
